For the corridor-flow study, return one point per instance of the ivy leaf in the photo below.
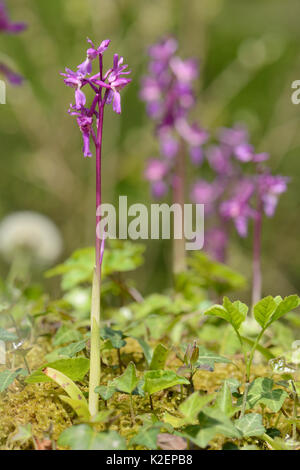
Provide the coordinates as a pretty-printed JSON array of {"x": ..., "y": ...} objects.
[
  {"x": 8, "y": 376},
  {"x": 106, "y": 391},
  {"x": 159, "y": 357},
  {"x": 209, "y": 358},
  {"x": 224, "y": 400},
  {"x": 83, "y": 437},
  {"x": 65, "y": 334},
  {"x": 7, "y": 335},
  {"x": 157, "y": 380},
  {"x": 75, "y": 368},
  {"x": 146, "y": 349},
  {"x": 250, "y": 425},
  {"x": 192, "y": 406},
  {"x": 128, "y": 381},
  {"x": 146, "y": 437},
  {"x": 261, "y": 391},
  {"x": 114, "y": 336},
  {"x": 72, "y": 349}
]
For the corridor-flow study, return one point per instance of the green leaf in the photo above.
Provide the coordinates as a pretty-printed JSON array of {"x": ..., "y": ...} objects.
[
  {"x": 83, "y": 437},
  {"x": 233, "y": 312},
  {"x": 209, "y": 358},
  {"x": 8, "y": 376},
  {"x": 72, "y": 349},
  {"x": 146, "y": 349},
  {"x": 24, "y": 433},
  {"x": 76, "y": 399},
  {"x": 192, "y": 406},
  {"x": 157, "y": 380},
  {"x": 106, "y": 391},
  {"x": 146, "y": 437},
  {"x": 75, "y": 368},
  {"x": 224, "y": 401},
  {"x": 65, "y": 334},
  {"x": 264, "y": 309},
  {"x": 250, "y": 425},
  {"x": 7, "y": 335},
  {"x": 261, "y": 392},
  {"x": 114, "y": 336},
  {"x": 285, "y": 306},
  {"x": 159, "y": 357},
  {"x": 264, "y": 351},
  {"x": 128, "y": 381}
]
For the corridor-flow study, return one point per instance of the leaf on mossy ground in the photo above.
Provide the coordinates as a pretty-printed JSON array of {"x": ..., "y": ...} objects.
[
  {"x": 159, "y": 357},
  {"x": 224, "y": 401},
  {"x": 75, "y": 368},
  {"x": 83, "y": 437},
  {"x": 192, "y": 406},
  {"x": 146, "y": 437},
  {"x": 157, "y": 380},
  {"x": 209, "y": 358},
  {"x": 211, "y": 422},
  {"x": 128, "y": 381},
  {"x": 106, "y": 391},
  {"x": 65, "y": 334},
  {"x": 114, "y": 336},
  {"x": 6, "y": 335},
  {"x": 261, "y": 392},
  {"x": 250, "y": 425},
  {"x": 7, "y": 377},
  {"x": 23, "y": 434}
]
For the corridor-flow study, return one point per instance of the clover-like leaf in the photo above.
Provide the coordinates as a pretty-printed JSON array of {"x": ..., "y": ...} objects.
[
  {"x": 264, "y": 309},
  {"x": 285, "y": 306},
  {"x": 233, "y": 312}
]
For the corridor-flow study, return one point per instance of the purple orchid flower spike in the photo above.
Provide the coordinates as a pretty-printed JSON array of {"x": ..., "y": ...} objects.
[
  {"x": 106, "y": 88},
  {"x": 6, "y": 25}
]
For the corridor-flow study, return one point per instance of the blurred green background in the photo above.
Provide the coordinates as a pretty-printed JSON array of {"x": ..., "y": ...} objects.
[{"x": 250, "y": 55}]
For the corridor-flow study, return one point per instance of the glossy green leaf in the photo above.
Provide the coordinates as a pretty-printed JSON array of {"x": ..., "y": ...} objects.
[
  {"x": 159, "y": 357},
  {"x": 75, "y": 368},
  {"x": 128, "y": 381},
  {"x": 261, "y": 392},
  {"x": 250, "y": 425},
  {"x": 65, "y": 334},
  {"x": 264, "y": 309},
  {"x": 157, "y": 380}
]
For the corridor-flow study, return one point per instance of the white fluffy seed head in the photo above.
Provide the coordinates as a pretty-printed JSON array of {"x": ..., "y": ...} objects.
[{"x": 32, "y": 232}]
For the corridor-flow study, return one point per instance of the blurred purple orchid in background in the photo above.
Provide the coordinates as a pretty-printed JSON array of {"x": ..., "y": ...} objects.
[
  {"x": 9, "y": 27},
  {"x": 169, "y": 97},
  {"x": 6, "y": 25}
]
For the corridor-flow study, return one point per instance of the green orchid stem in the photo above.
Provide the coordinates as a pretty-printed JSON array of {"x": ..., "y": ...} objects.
[{"x": 95, "y": 363}]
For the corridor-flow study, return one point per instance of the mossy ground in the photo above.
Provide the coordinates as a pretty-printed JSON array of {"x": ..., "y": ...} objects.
[{"x": 39, "y": 404}]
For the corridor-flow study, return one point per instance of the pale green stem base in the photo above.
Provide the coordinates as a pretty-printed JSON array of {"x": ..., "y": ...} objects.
[{"x": 95, "y": 364}]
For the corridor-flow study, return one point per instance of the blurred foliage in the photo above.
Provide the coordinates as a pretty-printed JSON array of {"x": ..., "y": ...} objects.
[{"x": 249, "y": 57}]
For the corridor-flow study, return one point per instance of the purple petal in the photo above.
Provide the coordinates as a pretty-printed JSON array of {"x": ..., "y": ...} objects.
[
  {"x": 80, "y": 98},
  {"x": 117, "y": 102}
]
